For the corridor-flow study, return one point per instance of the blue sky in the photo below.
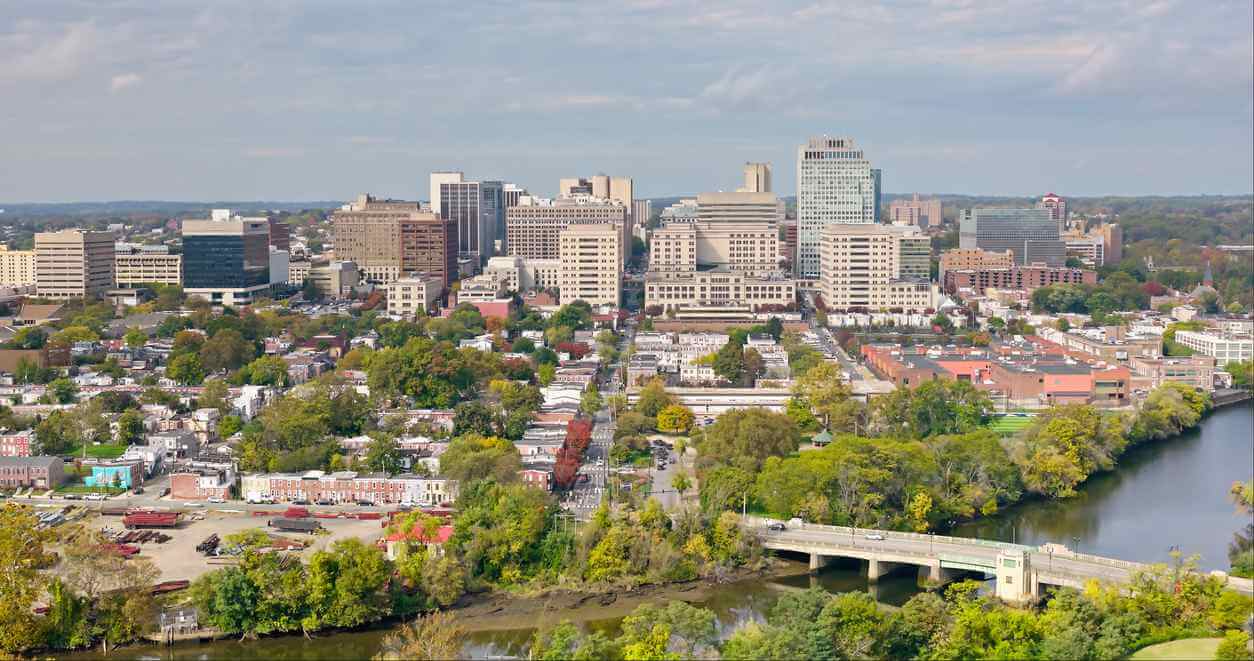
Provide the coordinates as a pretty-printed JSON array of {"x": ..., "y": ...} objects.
[{"x": 319, "y": 100}]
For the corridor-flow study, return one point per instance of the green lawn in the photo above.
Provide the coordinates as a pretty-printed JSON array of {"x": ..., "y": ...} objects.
[
  {"x": 1189, "y": 648},
  {"x": 82, "y": 488},
  {"x": 102, "y": 451},
  {"x": 1007, "y": 425}
]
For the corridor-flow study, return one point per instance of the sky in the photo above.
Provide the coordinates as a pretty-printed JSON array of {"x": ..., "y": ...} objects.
[{"x": 311, "y": 100}]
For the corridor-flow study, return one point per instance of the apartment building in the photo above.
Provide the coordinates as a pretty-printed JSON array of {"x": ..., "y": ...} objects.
[
  {"x": 18, "y": 443},
  {"x": 138, "y": 267},
  {"x": 591, "y": 256},
  {"x": 923, "y": 214},
  {"x": 39, "y": 472},
  {"x": 835, "y": 185},
  {"x": 348, "y": 487},
  {"x": 875, "y": 267},
  {"x": 73, "y": 264},
  {"x": 226, "y": 259},
  {"x": 1027, "y": 278},
  {"x": 747, "y": 247},
  {"x": 534, "y": 226},
  {"x": 388, "y": 239},
  {"x": 17, "y": 267},
  {"x": 297, "y": 272},
  {"x": 974, "y": 259},
  {"x": 414, "y": 295}
]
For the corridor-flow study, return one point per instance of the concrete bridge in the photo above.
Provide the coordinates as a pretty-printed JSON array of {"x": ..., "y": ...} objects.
[{"x": 1020, "y": 571}]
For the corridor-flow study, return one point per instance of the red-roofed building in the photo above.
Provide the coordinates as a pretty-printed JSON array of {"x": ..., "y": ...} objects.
[{"x": 400, "y": 543}]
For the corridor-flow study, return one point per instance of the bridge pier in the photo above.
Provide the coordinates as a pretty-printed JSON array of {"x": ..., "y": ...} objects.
[
  {"x": 817, "y": 562},
  {"x": 877, "y": 568},
  {"x": 1016, "y": 582},
  {"x": 935, "y": 576}
]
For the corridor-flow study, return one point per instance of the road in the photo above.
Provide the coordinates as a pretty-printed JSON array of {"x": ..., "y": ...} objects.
[{"x": 1062, "y": 567}]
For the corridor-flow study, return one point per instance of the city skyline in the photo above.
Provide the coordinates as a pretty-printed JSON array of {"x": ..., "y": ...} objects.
[{"x": 258, "y": 101}]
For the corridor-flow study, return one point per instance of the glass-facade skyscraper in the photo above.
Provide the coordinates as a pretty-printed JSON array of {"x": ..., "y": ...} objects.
[
  {"x": 835, "y": 184},
  {"x": 1031, "y": 234}
]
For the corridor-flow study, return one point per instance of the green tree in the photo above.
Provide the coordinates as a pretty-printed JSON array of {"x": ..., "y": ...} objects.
[
  {"x": 473, "y": 457},
  {"x": 216, "y": 395},
  {"x": 653, "y": 398},
  {"x": 135, "y": 338},
  {"x": 347, "y": 585},
  {"x": 186, "y": 369},
  {"x": 226, "y": 350},
  {"x": 681, "y": 482},
  {"x": 746, "y": 437},
  {"x": 21, "y": 551},
  {"x": 31, "y": 337},
  {"x": 590, "y": 402},
  {"x": 546, "y": 373},
  {"x": 934, "y": 407},
  {"x": 829, "y": 397},
  {"x": 130, "y": 427},
  {"x": 267, "y": 371},
  {"x": 691, "y": 628},
  {"x": 729, "y": 362},
  {"x": 382, "y": 454},
  {"x": 63, "y": 391},
  {"x": 1235, "y": 646}
]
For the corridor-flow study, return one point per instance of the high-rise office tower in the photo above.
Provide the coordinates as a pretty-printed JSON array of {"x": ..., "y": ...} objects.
[
  {"x": 280, "y": 235},
  {"x": 73, "y": 264},
  {"x": 389, "y": 239},
  {"x": 1031, "y": 234},
  {"x": 226, "y": 259},
  {"x": 757, "y": 178},
  {"x": 605, "y": 187},
  {"x": 476, "y": 207},
  {"x": 834, "y": 186},
  {"x": 510, "y": 193},
  {"x": 641, "y": 212}
]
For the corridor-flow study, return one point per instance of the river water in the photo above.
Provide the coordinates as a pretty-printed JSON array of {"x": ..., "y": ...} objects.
[{"x": 1172, "y": 493}]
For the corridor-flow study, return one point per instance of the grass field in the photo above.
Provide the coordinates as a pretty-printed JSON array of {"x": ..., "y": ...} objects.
[
  {"x": 102, "y": 451},
  {"x": 82, "y": 488},
  {"x": 1189, "y": 648},
  {"x": 1007, "y": 425}
]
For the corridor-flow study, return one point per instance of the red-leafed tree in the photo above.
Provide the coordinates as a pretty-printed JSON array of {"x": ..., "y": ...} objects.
[
  {"x": 566, "y": 468},
  {"x": 576, "y": 349}
]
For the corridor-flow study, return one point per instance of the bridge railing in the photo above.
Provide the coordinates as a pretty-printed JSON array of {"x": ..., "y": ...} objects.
[{"x": 894, "y": 534}]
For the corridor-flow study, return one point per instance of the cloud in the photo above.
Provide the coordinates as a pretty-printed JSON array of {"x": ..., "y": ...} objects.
[
  {"x": 273, "y": 152},
  {"x": 35, "y": 55},
  {"x": 123, "y": 81}
]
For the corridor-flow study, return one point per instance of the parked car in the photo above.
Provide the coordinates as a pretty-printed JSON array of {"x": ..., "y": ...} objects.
[
  {"x": 776, "y": 526},
  {"x": 324, "y": 502},
  {"x": 365, "y": 503},
  {"x": 301, "y": 501},
  {"x": 216, "y": 499},
  {"x": 874, "y": 536},
  {"x": 95, "y": 496},
  {"x": 193, "y": 504},
  {"x": 72, "y": 496}
]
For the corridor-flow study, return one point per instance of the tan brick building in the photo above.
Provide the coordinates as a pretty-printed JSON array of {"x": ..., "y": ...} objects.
[
  {"x": 73, "y": 264},
  {"x": 17, "y": 267},
  {"x": 388, "y": 239},
  {"x": 591, "y": 264}
]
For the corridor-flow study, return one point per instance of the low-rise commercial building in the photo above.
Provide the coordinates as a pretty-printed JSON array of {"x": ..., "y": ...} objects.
[
  {"x": 718, "y": 288},
  {"x": 334, "y": 280},
  {"x": 1194, "y": 371},
  {"x": 202, "y": 480},
  {"x": 1223, "y": 347},
  {"x": 146, "y": 267}
]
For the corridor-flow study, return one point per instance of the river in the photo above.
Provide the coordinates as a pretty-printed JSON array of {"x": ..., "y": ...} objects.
[{"x": 1171, "y": 493}]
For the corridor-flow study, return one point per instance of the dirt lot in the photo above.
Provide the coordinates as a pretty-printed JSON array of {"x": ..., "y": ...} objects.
[{"x": 178, "y": 559}]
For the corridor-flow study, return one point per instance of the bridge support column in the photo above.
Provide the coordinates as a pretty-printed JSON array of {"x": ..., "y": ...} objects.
[
  {"x": 935, "y": 576},
  {"x": 817, "y": 562},
  {"x": 877, "y": 568}
]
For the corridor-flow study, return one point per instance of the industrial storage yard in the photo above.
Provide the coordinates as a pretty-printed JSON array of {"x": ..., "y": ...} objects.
[{"x": 179, "y": 559}]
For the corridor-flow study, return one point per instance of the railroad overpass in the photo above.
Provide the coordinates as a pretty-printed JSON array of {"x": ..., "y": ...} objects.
[{"x": 1020, "y": 571}]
